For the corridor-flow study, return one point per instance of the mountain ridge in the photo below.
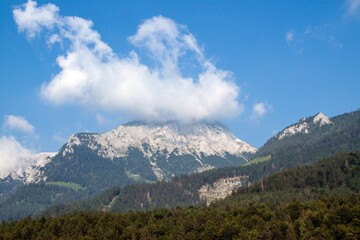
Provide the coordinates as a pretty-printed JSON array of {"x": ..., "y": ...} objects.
[
  {"x": 339, "y": 133},
  {"x": 128, "y": 154},
  {"x": 304, "y": 125},
  {"x": 151, "y": 139},
  {"x": 325, "y": 141},
  {"x": 92, "y": 173}
]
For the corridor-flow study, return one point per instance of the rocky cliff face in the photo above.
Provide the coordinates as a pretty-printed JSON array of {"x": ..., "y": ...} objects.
[
  {"x": 222, "y": 188},
  {"x": 166, "y": 150},
  {"x": 304, "y": 126}
]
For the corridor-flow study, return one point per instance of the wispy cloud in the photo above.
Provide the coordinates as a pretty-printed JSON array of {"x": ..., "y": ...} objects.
[
  {"x": 103, "y": 119},
  {"x": 297, "y": 40},
  {"x": 12, "y": 122},
  {"x": 14, "y": 157},
  {"x": 93, "y": 75},
  {"x": 259, "y": 110},
  {"x": 321, "y": 33},
  {"x": 58, "y": 137},
  {"x": 294, "y": 40},
  {"x": 352, "y": 6},
  {"x": 289, "y": 36}
]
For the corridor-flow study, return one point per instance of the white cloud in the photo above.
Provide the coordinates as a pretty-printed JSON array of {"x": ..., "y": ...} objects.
[
  {"x": 352, "y": 6},
  {"x": 289, "y": 36},
  {"x": 167, "y": 42},
  {"x": 31, "y": 19},
  {"x": 92, "y": 75},
  {"x": 13, "y": 156},
  {"x": 19, "y": 123},
  {"x": 259, "y": 110}
]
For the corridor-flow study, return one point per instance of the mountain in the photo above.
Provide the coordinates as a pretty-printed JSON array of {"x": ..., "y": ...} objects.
[
  {"x": 311, "y": 139},
  {"x": 146, "y": 152},
  {"x": 162, "y": 151},
  {"x": 31, "y": 171},
  {"x": 89, "y": 163},
  {"x": 338, "y": 174},
  {"x": 305, "y": 125},
  {"x": 324, "y": 137},
  {"x": 140, "y": 152},
  {"x": 29, "y": 168},
  {"x": 34, "y": 172}
]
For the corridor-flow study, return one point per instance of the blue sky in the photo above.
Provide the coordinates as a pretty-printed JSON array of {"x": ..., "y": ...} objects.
[{"x": 269, "y": 64}]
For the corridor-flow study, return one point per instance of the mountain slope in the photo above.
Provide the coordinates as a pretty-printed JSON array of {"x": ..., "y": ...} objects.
[
  {"x": 146, "y": 152},
  {"x": 339, "y": 174},
  {"x": 339, "y": 134},
  {"x": 137, "y": 152},
  {"x": 31, "y": 173},
  {"x": 313, "y": 138},
  {"x": 323, "y": 138},
  {"x": 305, "y": 125},
  {"x": 316, "y": 206}
]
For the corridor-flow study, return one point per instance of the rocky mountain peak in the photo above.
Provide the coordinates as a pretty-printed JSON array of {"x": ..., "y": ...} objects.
[
  {"x": 31, "y": 172},
  {"x": 143, "y": 152},
  {"x": 195, "y": 139},
  {"x": 304, "y": 125},
  {"x": 321, "y": 119}
]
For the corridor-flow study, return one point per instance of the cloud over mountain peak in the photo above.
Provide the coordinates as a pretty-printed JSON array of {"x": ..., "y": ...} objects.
[{"x": 91, "y": 74}]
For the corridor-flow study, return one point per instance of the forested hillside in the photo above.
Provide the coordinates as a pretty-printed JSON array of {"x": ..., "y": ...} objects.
[
  {"x": 335, "y": 175},
  {"x": 342, "y": 135},
  {"x": 313, "y": 202}
]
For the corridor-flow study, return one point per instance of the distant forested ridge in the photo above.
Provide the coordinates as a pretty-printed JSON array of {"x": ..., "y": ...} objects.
[{"x": 339, "y": 173}]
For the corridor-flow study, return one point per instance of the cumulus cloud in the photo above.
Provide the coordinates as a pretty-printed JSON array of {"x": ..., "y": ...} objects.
[
  {"x": 166, "y": 42},
  {"x": 19, "y": 123},
  {"x": 259, "y": 110},
  {"x": 93, "y": 75},
  {"x": 352, "y": 6},
  {"x": 13, "y": 156}
]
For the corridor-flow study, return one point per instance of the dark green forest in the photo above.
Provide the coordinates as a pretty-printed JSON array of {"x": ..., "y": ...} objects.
[
  {"x": 320, "y": 201},
  {"x": 337, "y": 217}
]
